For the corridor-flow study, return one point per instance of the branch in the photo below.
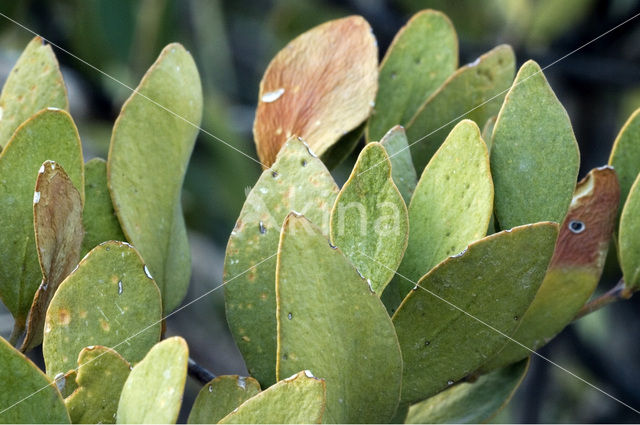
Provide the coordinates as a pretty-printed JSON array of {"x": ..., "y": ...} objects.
[
  {"x": 199, "y": 373},
  {"x": 618, "y": 292}
]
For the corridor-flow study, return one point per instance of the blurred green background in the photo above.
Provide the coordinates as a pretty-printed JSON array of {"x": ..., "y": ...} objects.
[{"x": 232, "y": 42}]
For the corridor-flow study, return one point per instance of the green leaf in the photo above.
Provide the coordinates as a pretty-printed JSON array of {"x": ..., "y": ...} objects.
[
  {"x": 490, "y": 287},
  {"x": 575, "y": 269},
  {"x": 57, "y": 213},
  {"x": 299, "y": 399},
  {"x": 304, "y": 88},
  {"x": 487, "y": 131},
  {"x": 109, "y": 300},
  {"x": 34, "y": 83},
  {"x": 451, "y": 207},
  {"x": 628, "y": 241},
  {"x": 468, "y": 403},
  {"x": 474, "y": 91},
  {"x": 150, "y": 147},
  {"x": 625, "y": 155},
  {"x": 297, "y": 181},
  {"x": 26, "y": 394},
  {"x": 402, "y": 169},
  {"x": 421, "y": 57},
  {"x": 534, "y": 154},
  {"x": 220, "y": 397},
  {"x": 341, "y": 150},
  {"x": 101, "y": 375},
  {"x": 153, "y": 391},
  {"x": 48, "y": 135},
  {"x": 100, "y": 221},
  {"x": 350, "y": 341},
  {"x": 369, "y": 220}
]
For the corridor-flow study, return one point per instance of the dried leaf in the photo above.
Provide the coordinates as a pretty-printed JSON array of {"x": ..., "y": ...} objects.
[
  {"x": 319, "y": 87},
  {"x": 57, "y": 214}
]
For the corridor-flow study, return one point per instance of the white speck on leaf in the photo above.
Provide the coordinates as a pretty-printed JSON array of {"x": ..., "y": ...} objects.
[{"x": 272, "y": 96}]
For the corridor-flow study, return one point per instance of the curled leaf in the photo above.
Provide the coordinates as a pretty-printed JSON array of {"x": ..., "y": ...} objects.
[
  {"x": 319, "y": 87},
  {"x": 57, "y": 214},
  {"x": 625, "y": 155}
]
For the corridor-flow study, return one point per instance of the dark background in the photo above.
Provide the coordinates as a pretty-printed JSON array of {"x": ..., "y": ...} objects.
[{"x": 233, "y": 41}]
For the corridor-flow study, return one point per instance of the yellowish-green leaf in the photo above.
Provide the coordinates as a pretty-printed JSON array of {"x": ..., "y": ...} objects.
[
  {"x": 153, "y": 391},
  {"x": 421, "y": 57},
  {"x": 369, "y": 220},
  {"x": 297, "y": 181},
  {"x": 106, "y": 301},
  {"x": 474, "y": 91},
  {"x": 34, "y": 83},
  {"x": 402, "y": 169},
  {"x": 299, "y": 399},
  {"x": 319, "y": 87},
  {"x": 150, "y": 147},
  {"x": 26, "y": 394},
  {"x": 451, "y": 207},
  {"x": 349, "y": 341},
  {"x": 57, "y": 214},
  {"x": 625, "y": 155},
  {"x": 451, "y": 323},
  {"x": 471, "y": 402},
  {"x": 628, "y": 241},
  {"x": 220, "y": 397},
  {"x": 575, "y": 269},
  {"x": 101, "y": 376},
  {"x": 99, "y": 219},
  {"x": 48, "y": 135},
  {"x": 534, "y": 154}
]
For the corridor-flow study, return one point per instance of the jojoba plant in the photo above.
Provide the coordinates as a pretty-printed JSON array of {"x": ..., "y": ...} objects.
[{"x": 416, "y": 292}]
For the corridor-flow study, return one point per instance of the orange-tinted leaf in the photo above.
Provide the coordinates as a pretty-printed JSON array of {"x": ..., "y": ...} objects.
[{"x": 319, "y": 87}]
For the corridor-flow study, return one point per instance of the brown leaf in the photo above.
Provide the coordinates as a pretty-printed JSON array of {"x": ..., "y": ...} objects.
[
  {"x": 584, "y": 237},
  {"x": 319, "y": 87},
  {"x": 57, "y": 214}
]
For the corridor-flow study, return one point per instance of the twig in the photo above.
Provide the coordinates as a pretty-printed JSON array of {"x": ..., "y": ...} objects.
[
  {"x": 199, "y": 373},
  {"x": 618, "y": 292}
]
